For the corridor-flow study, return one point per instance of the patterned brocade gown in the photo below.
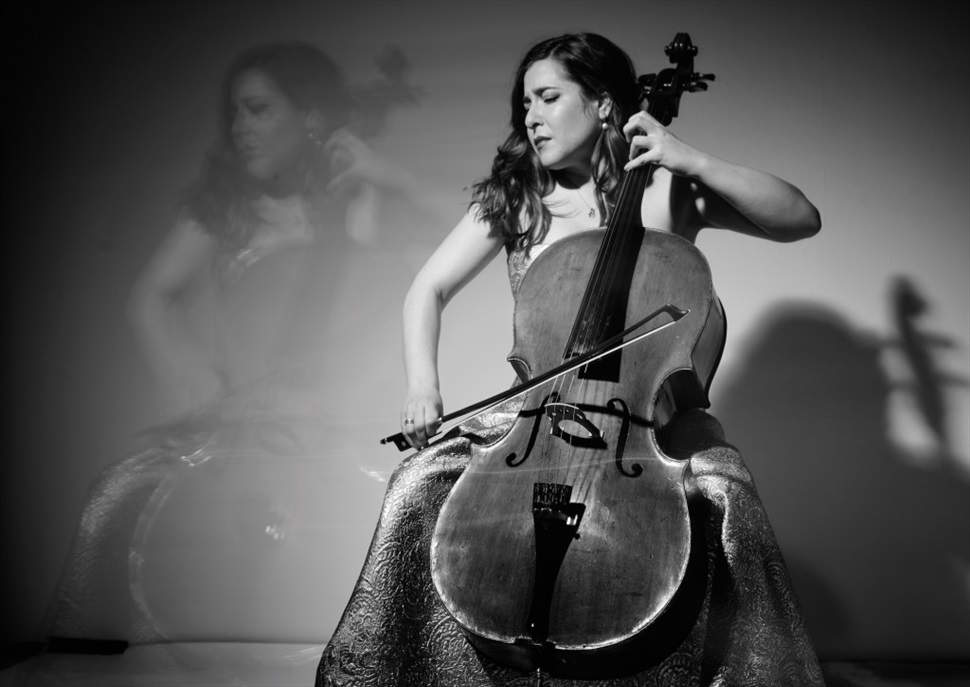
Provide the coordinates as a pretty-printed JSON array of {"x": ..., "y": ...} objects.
[{"x": 749, "y": 631}]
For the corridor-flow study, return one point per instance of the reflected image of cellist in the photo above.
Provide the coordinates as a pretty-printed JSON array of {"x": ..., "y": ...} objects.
[
  {"x": 593, "y": 523},
  {"x": 236, "y": 491}
]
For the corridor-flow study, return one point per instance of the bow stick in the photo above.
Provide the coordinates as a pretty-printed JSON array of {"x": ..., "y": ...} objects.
[{"x": 611, "y": 345}]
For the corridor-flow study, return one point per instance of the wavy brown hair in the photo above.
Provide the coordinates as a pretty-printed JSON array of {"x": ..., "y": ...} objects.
[{"x": 510, "y": 198}]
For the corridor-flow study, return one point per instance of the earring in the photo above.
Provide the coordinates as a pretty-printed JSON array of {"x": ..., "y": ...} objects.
[
  {"x": 603, "y": 125},
  {"x": 314, "y": 138}
]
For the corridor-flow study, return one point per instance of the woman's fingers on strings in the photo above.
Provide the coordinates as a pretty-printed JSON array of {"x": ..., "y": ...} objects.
[
  {"x": 639, "y": 123},
  {"x": 640, "y": 152}
]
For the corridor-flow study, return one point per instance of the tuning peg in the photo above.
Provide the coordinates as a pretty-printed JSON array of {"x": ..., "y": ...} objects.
[{"x": 696, "y": 82}]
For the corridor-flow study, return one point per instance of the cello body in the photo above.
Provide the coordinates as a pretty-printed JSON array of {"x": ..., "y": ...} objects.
[{"x": 567, "y": 545}]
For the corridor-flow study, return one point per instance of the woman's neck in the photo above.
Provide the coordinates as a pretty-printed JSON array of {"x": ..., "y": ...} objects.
[
  {"x": 283, "y": 184},
  {"x": 572, "y": 181},
  {"x": 268, "y": 206},
  {"x": 281, "y": 187}
]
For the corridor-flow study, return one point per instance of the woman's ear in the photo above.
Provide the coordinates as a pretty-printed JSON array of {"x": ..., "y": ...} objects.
[
  {"x": 605, "y": 107},
  {"x": 316, "y": 123}
]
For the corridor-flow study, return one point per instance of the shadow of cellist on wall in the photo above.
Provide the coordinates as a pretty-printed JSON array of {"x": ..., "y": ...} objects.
[
  {"x": 875, "y": 541},
  {"x": 922, "y": 387}
]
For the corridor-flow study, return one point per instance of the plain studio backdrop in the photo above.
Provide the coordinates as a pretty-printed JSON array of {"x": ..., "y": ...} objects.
[{"x": 845, "y": 377}]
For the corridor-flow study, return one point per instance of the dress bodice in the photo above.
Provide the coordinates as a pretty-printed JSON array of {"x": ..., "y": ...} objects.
[{"x": 518, "y": 261}]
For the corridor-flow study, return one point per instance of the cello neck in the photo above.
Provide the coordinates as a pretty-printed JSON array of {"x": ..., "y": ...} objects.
[{"x": 602, "y": 311}]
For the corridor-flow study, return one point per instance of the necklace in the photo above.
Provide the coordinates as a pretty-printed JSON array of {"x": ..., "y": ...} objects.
[{"x": 592, "y": 211}]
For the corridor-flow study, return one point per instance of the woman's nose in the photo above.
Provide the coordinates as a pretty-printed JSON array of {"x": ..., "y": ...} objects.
[
  {"x": 238, "y": 124},
  {"x": 531, "y": 117}
]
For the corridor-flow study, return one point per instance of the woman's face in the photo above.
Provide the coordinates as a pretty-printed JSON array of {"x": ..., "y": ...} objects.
[
  {"x": 562, "y": 124},
  {"x": 268, "y": 131}
]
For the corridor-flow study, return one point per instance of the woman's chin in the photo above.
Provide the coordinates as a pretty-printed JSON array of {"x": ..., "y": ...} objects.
[{"x": 259, "y": 171}]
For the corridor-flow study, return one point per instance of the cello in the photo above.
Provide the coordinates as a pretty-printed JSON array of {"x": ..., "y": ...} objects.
[{"x": 569, "y": 545}]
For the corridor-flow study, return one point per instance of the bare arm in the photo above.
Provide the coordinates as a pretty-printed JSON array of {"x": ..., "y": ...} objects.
[
  {"x": 155, "y": 309},
  {"x": 725, "y": 195},
  {"x": 460, "y": 257}
]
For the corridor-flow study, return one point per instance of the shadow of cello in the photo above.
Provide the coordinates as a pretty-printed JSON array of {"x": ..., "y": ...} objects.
[
  {"x": 921, "y": 385},
  {"x": 877, "y": 543}
]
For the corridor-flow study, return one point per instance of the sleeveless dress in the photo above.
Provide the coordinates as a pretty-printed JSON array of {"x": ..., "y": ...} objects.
[
  {"x": 224, "y": 526},
  {"x": 749, "y": 630}
]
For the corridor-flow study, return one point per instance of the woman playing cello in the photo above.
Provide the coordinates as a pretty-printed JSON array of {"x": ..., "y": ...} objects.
[{"x": 576, "y": 128}]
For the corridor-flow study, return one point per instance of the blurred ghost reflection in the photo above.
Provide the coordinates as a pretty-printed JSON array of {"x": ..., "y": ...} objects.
[{"x": 235, "y": 521}]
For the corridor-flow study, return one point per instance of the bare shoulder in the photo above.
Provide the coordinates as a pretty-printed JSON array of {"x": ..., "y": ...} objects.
[{"x": 190, "y": 233}]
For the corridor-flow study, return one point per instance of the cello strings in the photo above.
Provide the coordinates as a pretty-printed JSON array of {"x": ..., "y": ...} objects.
[
  {"x": 588, "y": 331},
  {"x": 597, "y": 296}
]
